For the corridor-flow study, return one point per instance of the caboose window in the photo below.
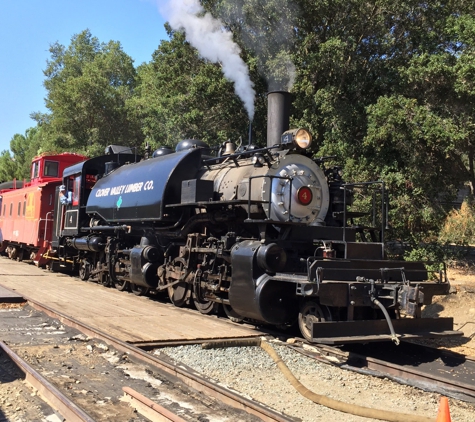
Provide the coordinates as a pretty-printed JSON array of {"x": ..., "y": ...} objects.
[
  {"x": 19, "y": 209},
  {"x": 35, "y": 171},
  {"x": 51, "y": 168},
  {"x": 11, "y": 209},
  {"x": 24, "y": 207}
]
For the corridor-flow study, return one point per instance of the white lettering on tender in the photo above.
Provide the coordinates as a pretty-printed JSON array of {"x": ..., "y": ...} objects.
[
  {"x": 130, "y": 188},
  {"x": 117, "y": 190},
  {"x": 134, "y": 187},
  {"x": 102, "y": 192}
]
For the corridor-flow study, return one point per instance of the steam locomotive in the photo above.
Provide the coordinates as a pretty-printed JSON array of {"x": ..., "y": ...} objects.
[{"x": 270, "y": 235}]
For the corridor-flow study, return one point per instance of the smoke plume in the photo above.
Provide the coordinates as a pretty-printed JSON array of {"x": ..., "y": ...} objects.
[
  {"x": 268, "y": 28},
  {"x": 214, "y": 43}
]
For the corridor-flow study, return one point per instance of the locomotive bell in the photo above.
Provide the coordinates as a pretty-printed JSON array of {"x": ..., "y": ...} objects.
[{"x": 230, "y": 148}]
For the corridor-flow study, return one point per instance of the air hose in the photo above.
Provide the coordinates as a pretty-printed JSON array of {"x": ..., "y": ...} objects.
[{"x": 322, "y": 400}]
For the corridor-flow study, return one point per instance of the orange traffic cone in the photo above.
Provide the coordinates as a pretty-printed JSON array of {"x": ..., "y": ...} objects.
[{"x": 444, "y": 412}]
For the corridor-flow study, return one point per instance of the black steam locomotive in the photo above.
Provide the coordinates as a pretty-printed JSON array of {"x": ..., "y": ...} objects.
[{"x": 269, "y": 234}]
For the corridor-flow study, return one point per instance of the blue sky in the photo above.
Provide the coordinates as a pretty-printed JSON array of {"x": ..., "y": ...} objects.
[{"x": 28, "y": 27}]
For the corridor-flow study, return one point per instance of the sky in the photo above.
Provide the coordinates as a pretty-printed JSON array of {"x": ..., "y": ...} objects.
[{"x": 29, "y": 27}]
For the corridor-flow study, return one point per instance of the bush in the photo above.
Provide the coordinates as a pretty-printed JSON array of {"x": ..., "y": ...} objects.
[{"x": 459, "y": 227}]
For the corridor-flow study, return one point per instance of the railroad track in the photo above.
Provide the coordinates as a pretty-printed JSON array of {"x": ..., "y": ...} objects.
[
  {"x": 185, "y": 384},
  {"x": 66, "y": 409},
  {"x": 50, "y": 394},
  {"x": 137, "y": 352},
  {"x": 429, "y": 369},
  {"x": 426, "y": 368}
]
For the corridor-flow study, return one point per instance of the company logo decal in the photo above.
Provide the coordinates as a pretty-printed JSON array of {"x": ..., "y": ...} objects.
[{"x": 125, "y": 189}]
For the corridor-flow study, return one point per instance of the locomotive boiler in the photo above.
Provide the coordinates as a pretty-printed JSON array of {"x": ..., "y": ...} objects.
[{"x": 270, "y": 235}]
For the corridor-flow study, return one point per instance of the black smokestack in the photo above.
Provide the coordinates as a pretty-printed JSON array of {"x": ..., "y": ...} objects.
[{"x": 278, "y": 116}]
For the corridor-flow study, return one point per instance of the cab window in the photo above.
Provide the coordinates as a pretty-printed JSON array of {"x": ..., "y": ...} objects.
[
  {"x": 76, "y": 187},
  {"x": 51, "y": 169}
]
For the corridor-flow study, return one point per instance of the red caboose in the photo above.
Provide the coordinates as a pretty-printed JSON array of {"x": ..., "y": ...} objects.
[{"x": 26, "y": 209}]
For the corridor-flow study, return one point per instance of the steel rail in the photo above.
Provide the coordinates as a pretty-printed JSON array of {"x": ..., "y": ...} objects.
[
  {"x": 428, "y": 381},
  {"x": 421, "y": 379},
  {"x": 47, "y": 391},
  {"x": 148, "y": 408},
  {"x": 185, "y": 374}
]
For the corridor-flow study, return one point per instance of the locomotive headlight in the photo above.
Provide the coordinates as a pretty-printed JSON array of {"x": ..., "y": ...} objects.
[{"x": 301, "y": 138}]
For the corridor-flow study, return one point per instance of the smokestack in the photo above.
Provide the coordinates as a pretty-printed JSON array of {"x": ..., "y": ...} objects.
[{"x": 278, "y": 115}]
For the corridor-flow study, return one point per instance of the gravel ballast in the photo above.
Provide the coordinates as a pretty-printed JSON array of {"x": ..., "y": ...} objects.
[{"x": 251, "y": 371}]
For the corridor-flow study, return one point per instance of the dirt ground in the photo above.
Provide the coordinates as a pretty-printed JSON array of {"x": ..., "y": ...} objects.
[{"x": 460, "y": 305}]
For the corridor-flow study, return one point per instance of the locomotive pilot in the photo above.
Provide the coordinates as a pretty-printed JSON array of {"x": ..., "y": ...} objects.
[{"x": 64, "y": 198}]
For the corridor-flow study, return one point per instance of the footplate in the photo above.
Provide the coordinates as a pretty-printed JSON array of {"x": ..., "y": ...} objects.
[{"x": 339, "y": 332}]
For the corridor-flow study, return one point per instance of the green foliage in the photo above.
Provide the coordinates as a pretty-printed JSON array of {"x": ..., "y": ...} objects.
[
  {"x": 388, "y": 87},
  {"x": 16, "y": 164},
  {"x": 378, "y": 84},
  {"x": 88, "y": 84},
  {"x": 267, "y": 30},
  {"x": 180, "y": 95},
  {"x": 418, "y": 172},
  {"x": 433, "y": 252}
]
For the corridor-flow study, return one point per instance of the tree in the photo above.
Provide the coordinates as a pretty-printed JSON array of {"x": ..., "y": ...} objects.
[
  {"x": 267, "y": 30},
  {"x": 385, "y": 86},
  {"x": 87, "y": 86},
  {"x": 181, "y": 96},
  {"x": 16, "y": 164},
  {"x": 426, "y": 128}
]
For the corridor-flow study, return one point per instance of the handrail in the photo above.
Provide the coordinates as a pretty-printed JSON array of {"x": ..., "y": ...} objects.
[
  {"x": 46, "y": 224},
  {"x": 384, "y": 205}
]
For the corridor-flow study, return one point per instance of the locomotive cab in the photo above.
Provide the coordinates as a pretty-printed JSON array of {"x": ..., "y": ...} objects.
[{"x": 78, "y": 181}]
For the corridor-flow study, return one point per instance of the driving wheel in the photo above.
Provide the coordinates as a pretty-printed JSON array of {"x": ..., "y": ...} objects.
[
  {"x": 139, "y": 290},
  {"x": 232, "y": 314},
  {"x": 179, "y": 292},
  {"x": 205, "y": 306},
  {"x": 122, "y": 285},
  {"x": 84, "y": 270}
]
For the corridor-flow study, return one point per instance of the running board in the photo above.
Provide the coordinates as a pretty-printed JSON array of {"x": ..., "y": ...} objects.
[{"x": 339, "y": 332}]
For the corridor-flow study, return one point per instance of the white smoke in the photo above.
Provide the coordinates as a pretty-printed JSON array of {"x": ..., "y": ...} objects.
[{"x": 214, "y": 43}]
